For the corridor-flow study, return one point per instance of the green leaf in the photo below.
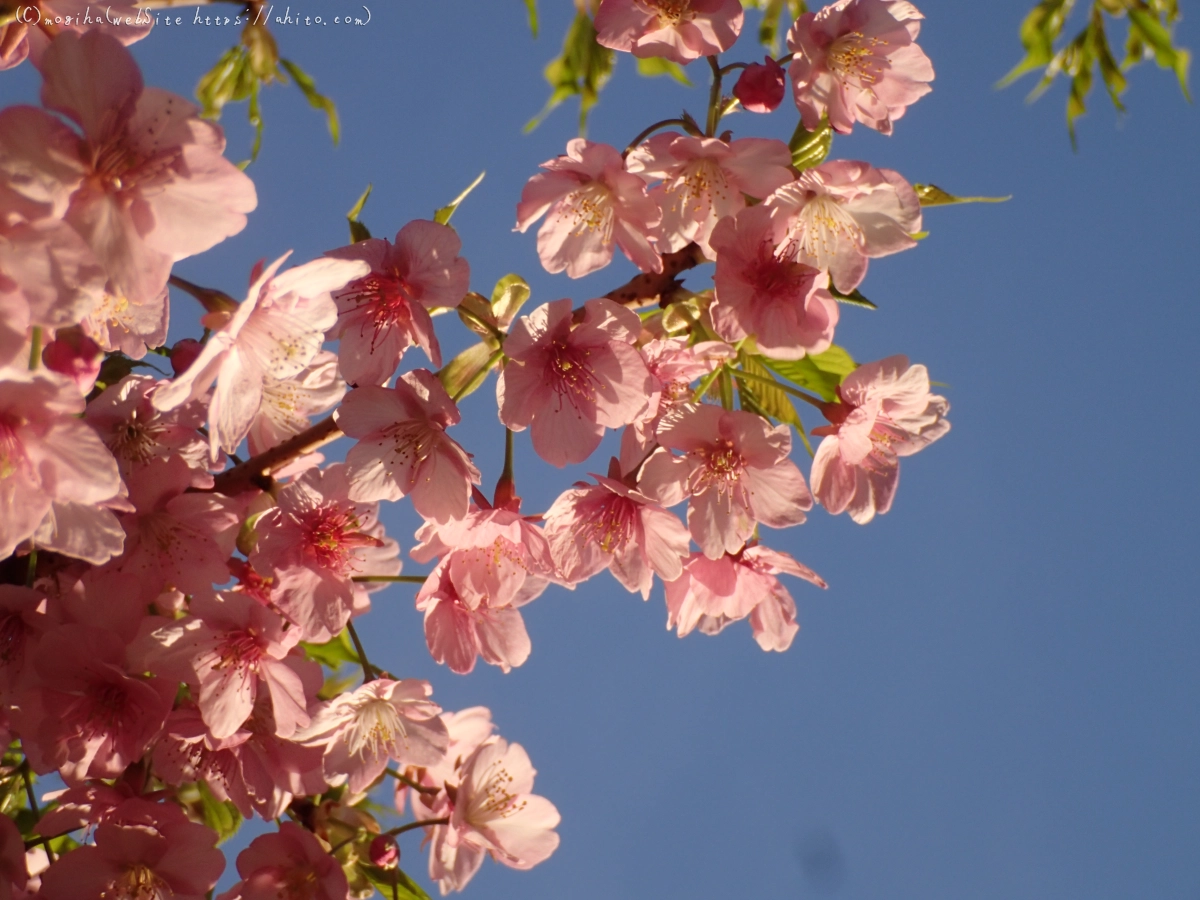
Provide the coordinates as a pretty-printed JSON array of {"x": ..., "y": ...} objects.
[
  {"x": 219, "y": 85},
  {"x": 388, "y": 880},
  {"x": 810, "y": 148},
  {"x": 820, "y": 373},
  {"x": 442, "y": 216},
  {"x": 221, "y": 816},
  {"x": 582, "y": 70},
  {"x": 315, "y": 98},
  {"x": 653, "y": 66},
  {"x": 463, "y": 374},
  {"x": 335, "y": 653},
  {"x": 531, "y": 6},
  {"x": 932, "y": 195},
  {"x": 766, "y": 399},
  {"x": 509, "y": 294},
  {"x": 854, "y": 298},
  {"x": 1038, "y": 33},
  {"x": 358, "y": 231},
  {"x": 1157, "y": 37}
]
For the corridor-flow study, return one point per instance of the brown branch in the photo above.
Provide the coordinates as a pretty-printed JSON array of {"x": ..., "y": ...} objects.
[
  {"x": 649, "y": 285},
  {"x": 256, "y": 472}
]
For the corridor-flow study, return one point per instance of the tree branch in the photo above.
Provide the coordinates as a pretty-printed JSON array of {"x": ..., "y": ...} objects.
[
  {"x": 650, "y": 285},
  {"x": 256, "y": 472}
]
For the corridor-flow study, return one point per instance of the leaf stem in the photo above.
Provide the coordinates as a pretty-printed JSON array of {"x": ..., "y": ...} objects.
[
  {"x": 404, "y": 579},
  {"x": 368, "y": 669},
  {"x": 415, "y": 785},
  {"x": 424, "y": 823}
]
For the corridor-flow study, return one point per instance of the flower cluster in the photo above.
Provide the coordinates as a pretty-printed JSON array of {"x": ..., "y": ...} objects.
[{"x": 174, "y": 618}]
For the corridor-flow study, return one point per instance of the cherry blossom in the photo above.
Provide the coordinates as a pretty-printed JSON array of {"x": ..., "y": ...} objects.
[
  {"x": 569, "y": 380},
  {"x": 276, "y": 333},
  {"x": 46, "y": 453},
  {"x": 590, "y": 202},
  {"x": 148, "y": 184},
  {"x": 493, "y": 813},
  {"x": 705, "y": 180},
  {"x": 611, "y": 526},
  {"x": 24, "y": 617},
  {"x": 142, "y": 849},
  {"x": 857, "y": 60},
  {"x": 276, "y": 865},
  {"x": 386, "y": 311},
  {"x": 14, "y": 873},
  {"x": 319, "y": 539},
  {"x": 18, "y": 40},
  {"x": 736, "y": 470},
  {"x": 785, "y": 305},
  {"x": 713, "y": 593},
  {"x": 885, "y": 410},
  {"x": 287, "y": 403},
  {"x": 760, "y": 87},
  {"x": 403, "y": 449},
  {"x": 841, "y": 214},
  {"x": 679, "y": 30},
  {"x": 382, "y": 720}
]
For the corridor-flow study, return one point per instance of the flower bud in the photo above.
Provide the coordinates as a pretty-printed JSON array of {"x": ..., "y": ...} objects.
[
  {"x": 384, "y": 851},
  {"x": 184, "y": 353},
  {"x": 74, "y": 354},
  {"x": 760, "y": 88}
]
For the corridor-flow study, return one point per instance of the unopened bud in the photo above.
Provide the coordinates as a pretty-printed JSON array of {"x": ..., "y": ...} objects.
[
  {"x": 760, "y": 88},
  {"x": 184, "y": 353},
  {"x": 384, "y": 851}
]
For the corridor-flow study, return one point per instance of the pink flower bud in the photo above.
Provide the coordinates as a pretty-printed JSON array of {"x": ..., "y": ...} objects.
[
  {"x": 384, "y": 851},
  {"x": 184, "y": 353},
  {"x": 74, "y": 354},
  {"x": 760, "y": 88}
]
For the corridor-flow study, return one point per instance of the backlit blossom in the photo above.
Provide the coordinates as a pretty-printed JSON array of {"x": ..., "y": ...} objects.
[
  {"x": 143, "y": 851},
  {"x": 608, "y": 525},
  {"x": 321, "y": 538},
  {"x": 494, "y": 813},
  {"x": 46, "y": 453},
  {"x": 857, "y": 60},
  {"x": 591, "y": 203},
  {"x": 679, "y": 30},
  {"x": 281, "y": 865},
  {"x": 386, "y": 311},
  {"x": 275, "y": 333},
  {"x": 403, "y": 449},
  {"x": 148, "y": 183},
  {"x": 19, "y": 40},
  {"x": 287, "y": 403},
  {"x": 736, "y": 470},
  {"x": 785, "y": 305},
  {"x": 840, "y": 214},
  {"x": 383, "y": 720},
  {"x": 571, "y": 381},
  {"x": 712, "y": 593},
  {"x": 705, "y": 180},
  {"x": 885, "y": 411}
]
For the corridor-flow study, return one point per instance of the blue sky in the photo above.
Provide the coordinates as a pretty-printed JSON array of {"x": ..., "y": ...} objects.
[{"x": 997, "y": 696}]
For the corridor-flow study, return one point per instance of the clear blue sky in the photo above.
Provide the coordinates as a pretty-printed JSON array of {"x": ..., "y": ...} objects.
[{"x": 997, "y": 697}]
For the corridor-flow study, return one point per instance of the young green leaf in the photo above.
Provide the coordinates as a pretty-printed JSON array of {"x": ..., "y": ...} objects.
[
  {"x": 358, "y": 231},
  {"x": 315, "y": 98},
  {"x": 509, "y": 294},
  {"x": 932, "y": 195},
  {"x": 766, "y": 399},
  {"x": 531, "y": 6},
  {"x": 820, "y": 373},
  {"x": 442, "y": 216},
  {"x": 854, "y": 298},
  {"x": 463, "y": 374},
  {"x": 582, "y": 69},
  {"x": 653, "y": 66},
  {"x": 810, "y": 148}
]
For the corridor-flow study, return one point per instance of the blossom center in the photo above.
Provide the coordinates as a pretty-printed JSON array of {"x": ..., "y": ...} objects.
[
  {"x": 495, "y": 799},
  {"x": 12, "y": 452},
  {"x": 134, "y": 440},
  {"x": 137, "y": 883},
  {"x": 239, "y": 650},
  {"x": 670, "y": 12},
  {"x": 105, "y": 709},
  {"x": 614, "y": 523},
  {"x": 855, "y": 57},
  {"x": 389, "y": 298},
  {"x": 376, "y": 727},
  {"x": 777, "y": 279},
  {"x": 821, "y": 227},
  {"x": 721, "y": 468},
  {"x": 696, "y": 187},
  {"x": 413, "y": 442},
  {"x": 591, "y": 207},
  {"x": 331, "y": 535},
  {"x": 569, "y": 372}
]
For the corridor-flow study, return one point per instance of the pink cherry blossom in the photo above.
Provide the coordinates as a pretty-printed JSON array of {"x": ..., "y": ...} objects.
[
  {"x": 495, "y": 557},
  {"x": 287, "y": 403},
  {"x": 320, "y": 539},
  {"x": 611, "y": 526},
  {"x": 135, "y": 432},
  {"x": 712, "y": 593},
  {"x": 466, "y": 730},
  {"x": 857, "y": 60},
  {"x": 142, "y": 849},
  {"x": 571, "y": 381},
  {"x": 493, "y": 813},
  {"x": 885, "y": 411},
  {"x": 383, "y": 720},
  {"x": 275, "y": 333},
  {"x": 383, "y": 313},
  {"x": 590, "y": 202},
  {"x": 403, "y": 449},
  {"x": 93, "y": 713},
  {"x": 841, "y": 214},
  {"x": 279, "y": 865},
  {"x": 736, "y": 470},
  {"x": 119, "y": 322},
  {"x": 84, "y": 806},
  {"x": 785, "y": 305},
  {"x": 457, "y": 631},
  {"x": 46, "y": 453},
  {"x": 705, "y": 180},
  {"x": 24, "y": 618},
  {"x": 176, "y": 539},
  {"x": 231, "y": 651},
  {"x": 760, "y": 87},
  {"x": 13, "y": 871},
  {"x": 23, "y": 38},
  {"x": 679, "y": 30},
  {"x": 148, "y": 183},
  {"x": 90, "y": 532}
]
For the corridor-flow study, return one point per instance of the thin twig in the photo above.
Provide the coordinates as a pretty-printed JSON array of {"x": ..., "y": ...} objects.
[
  {"x": 415, "y": 785},
  {"x": 424, "y": 823},
  {"x": 256, "y": 471},
  {"x": 404, "y": 579},
  {"x": 368, "y": 669}
]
